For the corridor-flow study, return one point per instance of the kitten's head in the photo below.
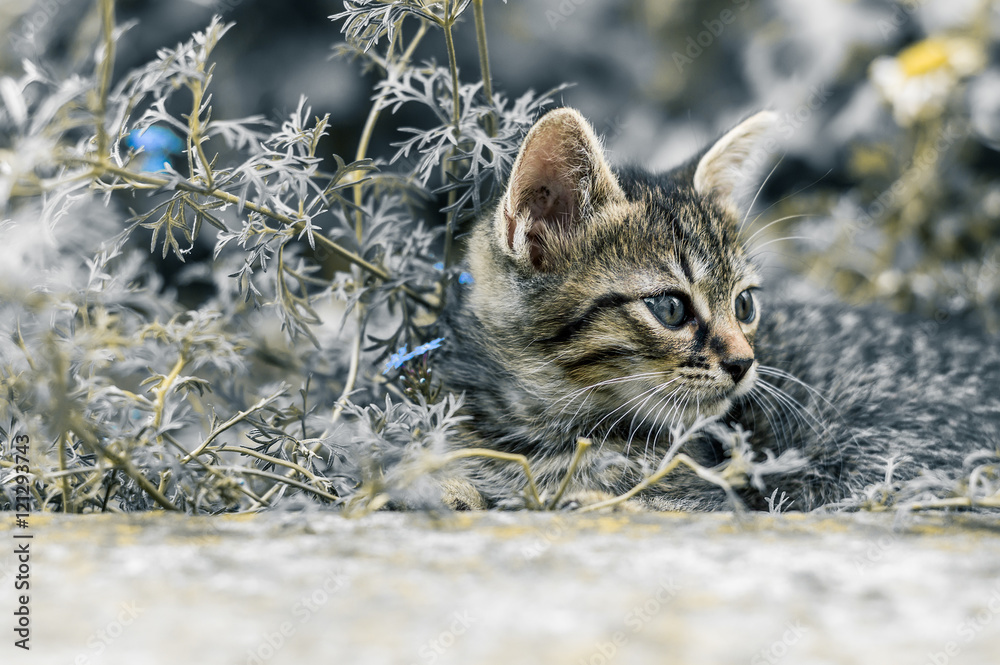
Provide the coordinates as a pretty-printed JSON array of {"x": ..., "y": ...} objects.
[{"x": 620, "y": 293}]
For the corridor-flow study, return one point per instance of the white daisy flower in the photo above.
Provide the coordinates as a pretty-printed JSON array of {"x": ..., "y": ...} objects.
[{"x": 918, "y": 80}]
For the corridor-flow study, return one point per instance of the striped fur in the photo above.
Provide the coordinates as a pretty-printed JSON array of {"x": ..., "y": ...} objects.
[{"x": 555, "y": 340}]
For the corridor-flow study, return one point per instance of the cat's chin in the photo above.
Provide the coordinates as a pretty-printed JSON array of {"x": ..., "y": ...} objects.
[
  {"x": 720, "y": 404},
  {"x": 712, "y": 409}
]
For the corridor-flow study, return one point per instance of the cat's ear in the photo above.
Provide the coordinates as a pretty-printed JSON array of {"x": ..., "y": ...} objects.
[
  {"x": 728, "y": 163},
  {"x": 559, "y": 178}
]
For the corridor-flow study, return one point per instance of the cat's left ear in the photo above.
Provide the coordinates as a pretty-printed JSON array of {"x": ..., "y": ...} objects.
[{"x": 728, "y": 163}]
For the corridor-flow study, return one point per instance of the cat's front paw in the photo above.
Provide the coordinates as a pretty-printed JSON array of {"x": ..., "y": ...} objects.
[{"x": 459, "y": 494}]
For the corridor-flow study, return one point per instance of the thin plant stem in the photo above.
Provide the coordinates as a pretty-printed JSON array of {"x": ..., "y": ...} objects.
[
  {"x": 194, "y": 131},
  {"x": 229, "y": 423},
  {"x": 449, "y": 41},
  {"x": 160, "y": 392},
  {"x": 649, "y": 481},
  {"x": 449, "y": 231},
  {"x": 484, "y": 63},
  {"x": 105, "y": 69},
  {"x": 265, "y": 498},
  {"x": 352, "y": 374},
  {"x": 64, "y": 480},
  {"x": 954, "y": 502},
  {"x": 520, "y": 460},
  {"x": 62, "y": 407},
  {"x": 80, "y": 429},
  {"x": 582, "y": 445},
  {"x": 208, "y": 467},
  {"x": 333, "y": 498},
  {"x": 267, "y": 458},
  {"x": 449, "y": 235}
]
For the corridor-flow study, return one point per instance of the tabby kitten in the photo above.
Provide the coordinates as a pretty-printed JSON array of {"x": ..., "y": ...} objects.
[{"x": 623, "y": 306}]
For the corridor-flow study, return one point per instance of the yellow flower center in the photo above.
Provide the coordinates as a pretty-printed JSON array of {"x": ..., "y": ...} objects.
[{"x": 923, "y": 57}]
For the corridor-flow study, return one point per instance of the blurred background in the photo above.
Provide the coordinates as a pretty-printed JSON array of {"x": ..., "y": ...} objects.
[{"x": 887, "y": 160}]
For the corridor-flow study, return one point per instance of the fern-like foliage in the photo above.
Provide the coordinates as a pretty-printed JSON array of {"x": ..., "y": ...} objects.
[{"x": 272, "y": 389}]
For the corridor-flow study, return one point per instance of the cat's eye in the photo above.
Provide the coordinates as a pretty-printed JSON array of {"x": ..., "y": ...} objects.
[
  {"x": 668, "y": 309},
  {"x": 745, "y": 310}
]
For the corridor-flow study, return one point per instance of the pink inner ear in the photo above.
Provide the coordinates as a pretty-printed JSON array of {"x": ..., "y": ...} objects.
[
  {"x": 552, "y": 203},
  {"x": 551, "y": 208},
  {"x": 545, "y": 190}
]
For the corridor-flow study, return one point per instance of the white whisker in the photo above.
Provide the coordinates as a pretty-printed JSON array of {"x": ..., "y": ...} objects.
[
  {"x": 746, "y": 243},
  {"x": 759, "y": 190}
]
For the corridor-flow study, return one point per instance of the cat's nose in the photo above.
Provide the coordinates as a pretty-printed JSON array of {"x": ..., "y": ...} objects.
[{"x": 737, "y": 367}]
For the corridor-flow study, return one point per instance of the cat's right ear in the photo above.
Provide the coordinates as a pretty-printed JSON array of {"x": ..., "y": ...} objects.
[
  {"x": 725, "y": 165},
  {"x": 559, "y": 178}
]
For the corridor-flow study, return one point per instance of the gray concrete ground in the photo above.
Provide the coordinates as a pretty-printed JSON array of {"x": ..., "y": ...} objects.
[{"x": 509, "y": 588}]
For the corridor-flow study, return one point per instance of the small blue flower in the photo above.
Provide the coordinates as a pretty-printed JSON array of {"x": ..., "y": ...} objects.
[
  {"x": 157, "y": 144},
  {"x": 155, "y": 139},
  {"x": 401, "y": 355},
  {"x": 463, "y": 277}
]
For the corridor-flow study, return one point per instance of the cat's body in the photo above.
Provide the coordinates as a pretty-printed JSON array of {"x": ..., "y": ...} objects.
[
  {"x": 883, "y": 389},
  {"x": 620, "y": 306}
]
